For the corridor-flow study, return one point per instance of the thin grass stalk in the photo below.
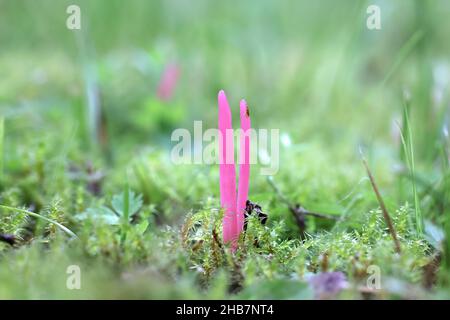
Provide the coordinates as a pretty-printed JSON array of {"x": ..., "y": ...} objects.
[
  {"x": 36, "y": 215},
  {"x": 386, "y": 215},
  {"x": 408, "y": 151}
]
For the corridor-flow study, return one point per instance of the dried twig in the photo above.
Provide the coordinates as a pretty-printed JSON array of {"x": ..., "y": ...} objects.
[
  {"x": 298, "y": 211},
  {"x": 430, "y": 271},
  {"x": 386, "y": 215}
]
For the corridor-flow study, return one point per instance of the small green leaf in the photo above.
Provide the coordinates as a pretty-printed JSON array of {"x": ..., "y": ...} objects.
[
  {"x": 142, "y": 227},
  {"x": 134, "y": 203},
  {"x": 101, "y": 213}
]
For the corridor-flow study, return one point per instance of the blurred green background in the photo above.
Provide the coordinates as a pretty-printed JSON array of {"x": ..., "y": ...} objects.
[
  {"x": 307, "y": 67},
  {"x": 79, "y": 104}
]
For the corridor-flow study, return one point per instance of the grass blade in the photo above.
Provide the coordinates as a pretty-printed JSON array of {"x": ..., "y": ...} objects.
[
  {"x": 36, "y": 215},
  {"x": 126, "y": 203},
  {"x": 408, "y": 155},
  {"x": 386, "y": 215}
]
